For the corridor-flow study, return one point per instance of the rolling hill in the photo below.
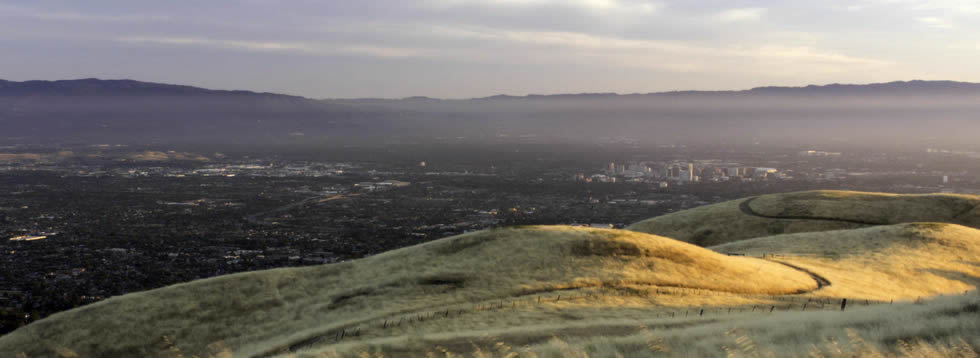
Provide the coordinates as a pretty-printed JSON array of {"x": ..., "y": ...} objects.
[
  {"x": 877, "y": 262},
  {"x": 281, "y": 307},
  {"x": 806, "y": 212},
  {"x": 519, "y": 289}
]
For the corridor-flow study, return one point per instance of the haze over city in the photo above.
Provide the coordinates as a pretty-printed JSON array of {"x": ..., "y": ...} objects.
[
  {"x": 479, "y": 178},
  {"x": 476, "y": 48}
]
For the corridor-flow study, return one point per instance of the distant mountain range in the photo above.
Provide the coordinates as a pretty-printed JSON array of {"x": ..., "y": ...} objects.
[
  {"x": 94, "y": 110},
  {"x": 897, "y": 88},
  {"x": 98, "y": 87}
]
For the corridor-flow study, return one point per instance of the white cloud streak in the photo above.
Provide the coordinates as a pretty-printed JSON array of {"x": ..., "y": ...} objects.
[
  {"x": 545, "y": 47},
  {"x": 744, "y": 14},
  {"x": 273, "y": 46},
  {"x": 643, "y": 7},
  {"x": 935, "y": 22},
  {"x": 961, "y": 7}
]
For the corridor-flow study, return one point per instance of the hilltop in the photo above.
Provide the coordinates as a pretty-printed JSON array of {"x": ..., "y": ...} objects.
[
  {"x": 255, "y": 311},
  {"x": 623, "y": 291},
  {"x": 124, "y": 87},
  {"x": 821, "y": 210}
]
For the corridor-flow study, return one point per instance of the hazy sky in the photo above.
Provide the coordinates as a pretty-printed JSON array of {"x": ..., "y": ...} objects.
[{"x": 471, "y": 48}]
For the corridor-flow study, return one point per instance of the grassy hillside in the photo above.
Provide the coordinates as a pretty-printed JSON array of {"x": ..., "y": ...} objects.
[
  {"x": 941, "y": 328},
  {"x": 878, "y": 262},
  {"x": 807, "y": 212},
  {"x": 946, "y": 327},
  {"x": 258, "y": 311},
  {"x": 896, "y": 263},
  {"x": 602, "y": 292}
]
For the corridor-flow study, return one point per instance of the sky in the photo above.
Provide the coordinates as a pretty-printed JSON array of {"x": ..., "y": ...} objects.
[{"x": 475, "y": 48}]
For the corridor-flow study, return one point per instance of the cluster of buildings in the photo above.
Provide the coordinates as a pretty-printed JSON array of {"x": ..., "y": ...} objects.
[
  {"x": 381, "y": 185},
  {"x": 679, "y": 172}
]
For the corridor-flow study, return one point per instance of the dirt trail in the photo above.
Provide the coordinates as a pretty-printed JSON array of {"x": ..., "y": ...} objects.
[
  {"x": 746, "y": 208},
  {"x": 821, "y": 281}
]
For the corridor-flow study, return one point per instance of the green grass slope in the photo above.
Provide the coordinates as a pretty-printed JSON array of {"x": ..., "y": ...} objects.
[
  {"x": 807, "y": 212},
  {"x": 258, "y": 312}
]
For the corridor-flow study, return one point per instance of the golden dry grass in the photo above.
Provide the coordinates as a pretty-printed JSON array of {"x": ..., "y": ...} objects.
[
  {"x": 259, "y": 311},
  {"x": 725, "y": 222},
  {"x": 902, "y": 261},
  {"x": 943, "y": 327},
  {"x": 509, "y": 291}
]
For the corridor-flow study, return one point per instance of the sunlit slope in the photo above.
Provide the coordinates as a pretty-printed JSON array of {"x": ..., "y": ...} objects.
[
  {"x": 806, "y": 212},
  {"x": 254, "y": 312},
  {"x": 903, "y": 261}
]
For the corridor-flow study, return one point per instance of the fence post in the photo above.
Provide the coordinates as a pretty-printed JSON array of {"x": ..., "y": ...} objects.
[
  {"x": 843, "y": 304},
  {"x": 702, "y": 312},
  {"x": 773, "y": 308}
]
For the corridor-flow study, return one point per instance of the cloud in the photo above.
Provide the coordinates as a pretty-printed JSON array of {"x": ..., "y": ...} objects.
[
  {"x": 961, "y": 7},
  {"x": 483, "y": 45},
  {"x": 935, "y": 22},
  {"x": 743, "y": 14},
  {"x": 644, "y": 7},
  {"x": 674, "y": 55},
  {"x": 273, "y": 46}
]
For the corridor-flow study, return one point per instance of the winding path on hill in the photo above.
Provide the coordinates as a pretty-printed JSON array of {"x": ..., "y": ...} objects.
[
  {"x": 821, "y": 281},
  {"x": 964, "y": 212},
  {"x": 746, "y": 208}
]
